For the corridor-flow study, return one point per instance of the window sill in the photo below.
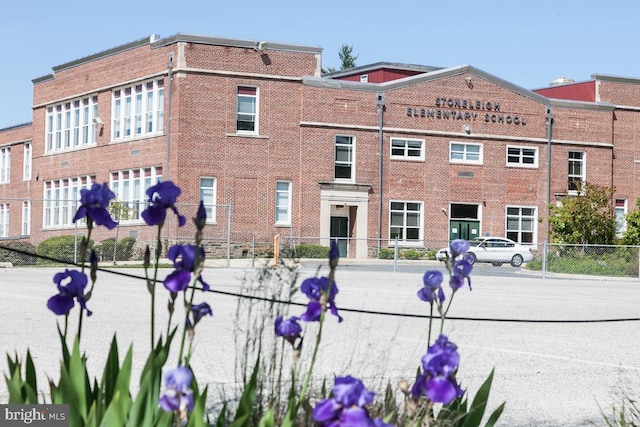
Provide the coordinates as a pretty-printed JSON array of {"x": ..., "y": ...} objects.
[{"x": 247, "y": 135}]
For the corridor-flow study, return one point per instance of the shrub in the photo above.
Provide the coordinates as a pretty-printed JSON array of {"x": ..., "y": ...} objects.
[
  {"x": 16, "y": 258},
  {"x": 307, "y": 250},
  {"x": 431, "y": 254},
  {"x": 62, "y": 248},
  {"x": 124, "y": 249},
  {"x": 386, "y": 253},
  {"x": 411, "y": 254}
]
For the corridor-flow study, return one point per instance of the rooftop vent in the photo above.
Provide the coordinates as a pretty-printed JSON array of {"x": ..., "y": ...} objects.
[{"x": 561, "y": 81}]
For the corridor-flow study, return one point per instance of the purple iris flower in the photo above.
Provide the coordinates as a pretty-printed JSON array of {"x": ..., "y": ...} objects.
[
  {"x": 334, "y": 254},
  {"x": 347, "y": 406},
  {"x": 458, "y": 247},
  {"x": 432, "y": 287},
  {"x": 162, "y": 196},
  {"x": 288, "y": 329},
  {"x": 184, "y": 262},
  {"x": 317, "y": 290},
  {"x": 197, "y": 312},
  {"x": 63, "y": 302},
  {"x": 94, "y": 203},
  {"x": 460, "y": 273},
  {"x": 177, "y": 395},
  {"x": 439, "y": 364}
]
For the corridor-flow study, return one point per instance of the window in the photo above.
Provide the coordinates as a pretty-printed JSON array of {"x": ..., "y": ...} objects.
[
  {"x": 247, "y": 110},
  {"x": 26, "y": 218},
  {"x": 344, "y": 165},
  {"x": 283, "y": 202},
  {"x": 522, "y": 156},
  {"x": 412, "y": 149},
  {"x": 71, "y": 124},
  {"x": 4, "y": 220},
  {"x": 521, "y": 222},
  {"x": 130, "y": 187},
  {"x": 208, "y": 197},
  {"x": 26, "y": 163},
  {"x": 576, "y": 175},
  {"x": 465, "y": 153},
  {"x": 5, "y": 164},
  {"x": 138, "y": 110},
  {"x": 405, "y": 221},
  {"x": 61, "y": 198},
  {"x": 621, "y": 216}
]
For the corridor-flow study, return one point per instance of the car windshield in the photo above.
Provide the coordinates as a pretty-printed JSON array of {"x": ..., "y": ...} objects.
[{"x": 476, "y": 242}]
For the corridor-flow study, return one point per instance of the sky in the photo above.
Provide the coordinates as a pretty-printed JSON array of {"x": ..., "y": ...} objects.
[{"x": 526, "y": 42}]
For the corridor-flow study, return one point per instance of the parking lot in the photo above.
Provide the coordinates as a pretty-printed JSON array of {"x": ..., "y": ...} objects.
[{"x": 554, "y": 366}]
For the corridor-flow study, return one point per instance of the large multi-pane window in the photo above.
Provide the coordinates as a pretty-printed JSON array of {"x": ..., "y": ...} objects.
[
  {"x": 522, "y": 156},
  {"x": 208, "y": 196},
  {"x": 412, "y": 149},
  {"x": 26, "y": 218},
  {"x": 247, "y": 110},
  {"x": 283, "y": 202},
  {"x": 138, "y": 110},
  {"x": 5, "y": 164},
  {"x": 344, "y": 155},
  {"x": 4, "y": 220},
  {"x": 26, "y": 162},
  {"x": 465, "y": 153},
  {"x": 130, "y": 187},
  {"x": 71, "y": 124},
  {"x": 621, "y": 216},
  {"x": 576, "y": 174},
  {"x": 405, "y": 221},
  {"x": 521, "y": 222},
  {"x": 61, "y": 198}
]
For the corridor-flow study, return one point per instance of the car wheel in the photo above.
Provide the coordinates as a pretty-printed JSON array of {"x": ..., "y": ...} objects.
[
  {"x": 496, "y": 264},
  {"x": 516, "y": 261},
  {"x": 471, "y": 258}
]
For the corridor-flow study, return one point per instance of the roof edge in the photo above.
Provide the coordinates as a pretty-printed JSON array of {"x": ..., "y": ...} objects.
[
  {"x": 242, "y": 43},
  {"x": 16, "y": 126}
]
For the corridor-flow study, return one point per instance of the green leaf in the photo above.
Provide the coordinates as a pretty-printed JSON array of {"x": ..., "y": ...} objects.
[
  {"x": 493, "y": 419},
  {"x": 111, "y": 372},
  {"x": 30, "y": 373},
  {"x": 245, "y": 408},
  {"x": 222, "y": 417},
  {"x": 268, "y": 419},
  {"x": 476, "y": 412},
  {"x": 196, "y": 418}
]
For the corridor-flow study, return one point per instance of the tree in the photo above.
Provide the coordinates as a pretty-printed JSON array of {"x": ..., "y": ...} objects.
[
  {"x": 347, "y": 59},
  {"x": 587, "y": 218},
  {"x": 632, "y": 233}
]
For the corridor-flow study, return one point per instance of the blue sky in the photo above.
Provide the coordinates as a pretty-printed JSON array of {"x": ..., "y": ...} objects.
[{"x": 526, "y": 42}]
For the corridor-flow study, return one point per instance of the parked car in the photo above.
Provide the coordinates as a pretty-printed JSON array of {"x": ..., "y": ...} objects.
[{"x": 496, "y": 250}]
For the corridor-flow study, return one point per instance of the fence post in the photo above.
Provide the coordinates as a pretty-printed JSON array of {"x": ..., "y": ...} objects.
[
  {"x": 638, "y": 261},
  {"x": 544, "y": 260},
  {"x": 395, "y": 256},
  {"x": 253, "y": 251},
  {"x": 229, "y": 235}
]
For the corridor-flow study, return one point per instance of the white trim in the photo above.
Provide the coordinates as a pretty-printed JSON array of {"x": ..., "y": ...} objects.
[
  {"x": 465, "y": 153},
  {"x": 406, "y": 149},
  {"x": 520, "y": 156}
]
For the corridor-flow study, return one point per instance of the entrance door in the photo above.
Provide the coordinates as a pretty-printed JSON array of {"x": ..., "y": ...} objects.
[
  {"x": 463, "y": 229},
  {"x": 340, "y": 232}
]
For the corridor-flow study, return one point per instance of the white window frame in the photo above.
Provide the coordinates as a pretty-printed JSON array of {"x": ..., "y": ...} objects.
[
  {"x": 61, "y": 199},
  {"x": 521, "y": 218},
  {"x": 71, "y": 124},
  {"x": 130, "y": 187},
  {"x": 137, "y": 110},
  {"x": 404, "y": 145},
  {"x": 254, "y": 100},
  {"x": 283, "y": 203},
  {"x": 5, "y": 165},
  {"x": 621, "y": 210},
  {"x": 210, "y": 206},
  {"x": 4, "y": 219},
  {"x": 405, "y": 212},
  {"x": 517, "y": 159},
  {"x": 583, "y": 173},
  {"x": 26, "y": 161},
  {"x": 464, "y": 153},
  {"x": 26, "y": 218},
  {"x": 350, "y": 162}
]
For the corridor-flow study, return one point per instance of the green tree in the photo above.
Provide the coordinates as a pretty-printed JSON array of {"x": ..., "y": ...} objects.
[
  {"x": 632, "y": 233},
  {"x": 587, "y": 218},
  {"x": 347, "y": 59}
]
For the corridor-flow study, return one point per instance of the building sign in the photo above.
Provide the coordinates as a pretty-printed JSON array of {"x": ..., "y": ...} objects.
[{"x": 466, "y": 110}]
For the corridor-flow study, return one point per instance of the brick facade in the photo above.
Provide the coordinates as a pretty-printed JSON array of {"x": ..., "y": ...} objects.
[{"x": 299, "y": 115}]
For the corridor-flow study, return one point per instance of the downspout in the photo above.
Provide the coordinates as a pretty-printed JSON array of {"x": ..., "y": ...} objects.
[
  {"x": 548, "y": 237},
  {"x": 168, "y": 143},
  {"x": 380, "y": 138}
]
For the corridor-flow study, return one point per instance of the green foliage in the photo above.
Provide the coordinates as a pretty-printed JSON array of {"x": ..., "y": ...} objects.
[
  {"x": 386, "y": 253},
  {"x": 8, "y": 252},
  {"x": 124, "y": 249},
  {"x": 411, "y": 254},
  {"x": 632, "y": 233},
  {"x": 347, "y": 58},
  {"x": 590, "y": 260},
  {"x": 587, "y": 218},
  {"x": 307, "y": 250},
  {"x": 62, "y": 248}
]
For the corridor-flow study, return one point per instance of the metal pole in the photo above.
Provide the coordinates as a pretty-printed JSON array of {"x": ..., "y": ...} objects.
[
  {"x": 229, "y": 236},
  {"x": 548, "y": 230},
  {"x": 395, "y": 256},
  {"x": 380, "y": 138}
]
